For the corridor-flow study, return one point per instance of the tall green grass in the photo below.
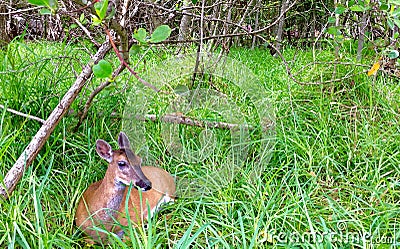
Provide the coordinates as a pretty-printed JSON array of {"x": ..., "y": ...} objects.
[{"x": 332, "y": 180}]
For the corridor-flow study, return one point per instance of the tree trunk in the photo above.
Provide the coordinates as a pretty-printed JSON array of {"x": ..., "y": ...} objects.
[
  {"x": 279, "y": 31},
  {"x": 253, "y": 43},
  {"x": 4, "y": 38},
  {"x": 361, "y": 38},
  {"x": 337, "y": 22},
  {"x": 184, "y": 26}
]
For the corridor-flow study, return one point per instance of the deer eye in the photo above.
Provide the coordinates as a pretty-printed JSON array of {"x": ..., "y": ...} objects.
[{"x": 122, "y": 164}]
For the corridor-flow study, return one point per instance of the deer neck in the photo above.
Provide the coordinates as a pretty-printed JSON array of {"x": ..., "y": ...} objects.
[{"x": 110, "y": 194}]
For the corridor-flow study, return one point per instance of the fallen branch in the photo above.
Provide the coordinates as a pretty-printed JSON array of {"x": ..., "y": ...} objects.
[
  {"x": 29, "y": 154},
  {"x": 179, "y": 118},
  {"x": 23, "y": 114}
]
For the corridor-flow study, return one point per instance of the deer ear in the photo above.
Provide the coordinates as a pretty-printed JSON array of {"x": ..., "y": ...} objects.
[
  {"x": 123, "y": 141},
  {"x": 104, "y": 150}
]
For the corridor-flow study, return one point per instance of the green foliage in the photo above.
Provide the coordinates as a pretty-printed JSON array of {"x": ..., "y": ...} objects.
[
  {"x": 103, "y": 69},
  {"x": 140, "y": 35},
  {"x": 161, "y": 33},
  {"x": 50, "y": 6},
  {"x": 388, "y": 13},
  {"x": 101, "y": 12},
  {"x": 45, "y": 12}
]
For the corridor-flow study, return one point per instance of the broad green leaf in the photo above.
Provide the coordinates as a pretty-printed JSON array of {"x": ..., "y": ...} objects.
[
  {"x": 135, "y": 49},
  {"x": 82, "y": 17},
  {"x": 101, "y": 9},
  {"x": 97, "y": 7},
  {"x": 331, "y": 19},
  {"x": 384, "y": 7},
  {"x": 340, "y": 10},
  {"x": 393, "y": 54},
  {"x": 102, "y": 69},
  {"x": 45, "y": 11},
  {"x": 357, "y": 8},
  {"x": 194, "y": 1},
  {"x": 160, "y": 34},
  {"x": 40, "y": 2},
  {"x": 396, "y": 35},
  {"x": 140, "y": 35},
  {"x": 395, "y": 2}
]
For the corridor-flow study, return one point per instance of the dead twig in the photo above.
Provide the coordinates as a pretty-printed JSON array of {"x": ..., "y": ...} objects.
[
  {"x": 254, "y": 32},
  {"x": 179, "y": 118},
  {"x": 23, "y": 114},
  {"x": 86, "y": 31}
]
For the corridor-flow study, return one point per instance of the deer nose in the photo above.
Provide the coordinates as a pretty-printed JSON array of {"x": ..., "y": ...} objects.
[
  {"x": 144, "y": 185},
  {"x": 148, "y": 187}
]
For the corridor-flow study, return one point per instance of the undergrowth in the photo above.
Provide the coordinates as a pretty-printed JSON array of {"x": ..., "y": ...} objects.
[{"x": 331, "y": 179}]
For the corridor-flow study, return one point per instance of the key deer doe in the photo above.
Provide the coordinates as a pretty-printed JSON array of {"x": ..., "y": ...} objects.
[{"x": 103, "y": 203}]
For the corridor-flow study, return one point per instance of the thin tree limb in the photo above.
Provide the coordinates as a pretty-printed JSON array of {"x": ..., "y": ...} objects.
[
  {"x": 31, "y": 151},
  {"x": 23, "y": 114},
  {"x": 94, "y": 94},
  {"x": 20, "y": 11},
  {"x": 84, "y": 29},
  {"x": 254, "y": 32},
  {"x": 127, "y": 66}
]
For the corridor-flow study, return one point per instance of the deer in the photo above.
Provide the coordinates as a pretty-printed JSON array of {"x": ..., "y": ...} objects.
[{"x": 103, "y": 203}]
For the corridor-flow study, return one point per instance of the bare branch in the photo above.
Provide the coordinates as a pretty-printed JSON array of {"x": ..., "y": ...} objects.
[
  {"x": 127, "y": 66},
  {"x": 86, "y": 32},
  {"x": 254, "y": 32},
  {"x": 179, "y": 118},
  {"x": 94, "y": 94},
  {"x": 123, "y": 39},
  {"x": 23, "y": 114},
  {"x": 20, "y": 11}
]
